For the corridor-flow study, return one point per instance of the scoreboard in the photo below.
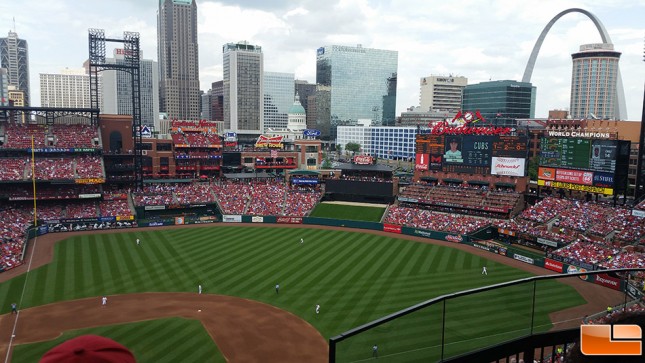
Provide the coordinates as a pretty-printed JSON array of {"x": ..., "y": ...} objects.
[
  {"x": 576, "y": 153},
  {"x": 472, "y": 154},
  {"x": 591, "y": 165}
]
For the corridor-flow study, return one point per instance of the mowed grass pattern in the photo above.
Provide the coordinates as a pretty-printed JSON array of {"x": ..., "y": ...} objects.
[
  {"x": 350, "y": 212},
  {"x": 355, "y": 277},
  {"x": 183, "y": 341}
]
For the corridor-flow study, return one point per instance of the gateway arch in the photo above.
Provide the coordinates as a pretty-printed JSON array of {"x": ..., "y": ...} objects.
[{"x": 621, "y": 107}]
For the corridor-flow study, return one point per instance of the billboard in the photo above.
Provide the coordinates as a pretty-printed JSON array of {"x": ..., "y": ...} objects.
[
  {"x": 578, "y": 153},
  {"x": 472, "y": 153}
]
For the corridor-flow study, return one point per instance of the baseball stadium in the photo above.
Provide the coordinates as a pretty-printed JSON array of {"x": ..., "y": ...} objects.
[{"x": 194, "y": 247}]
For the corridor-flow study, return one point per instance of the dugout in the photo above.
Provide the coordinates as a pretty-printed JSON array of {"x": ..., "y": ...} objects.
[{"x": 362, "y": 183}]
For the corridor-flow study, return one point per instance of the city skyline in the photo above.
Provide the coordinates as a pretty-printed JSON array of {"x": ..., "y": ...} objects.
[{"x": 484, "y": 41}]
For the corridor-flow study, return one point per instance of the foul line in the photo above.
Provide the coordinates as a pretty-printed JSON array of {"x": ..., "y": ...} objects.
[{"x": 22, "y": 295}]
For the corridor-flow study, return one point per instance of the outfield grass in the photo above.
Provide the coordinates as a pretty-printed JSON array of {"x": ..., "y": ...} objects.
[
  {"x": 355, "y": 277},
  {"x": 350, "y": 212},
  {"x": 184, "y": 341}
]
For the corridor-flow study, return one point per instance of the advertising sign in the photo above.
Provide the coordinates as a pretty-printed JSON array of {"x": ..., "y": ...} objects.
[
  {"x": 363, "y": 159},
  {"x": 154, "y": 207},
  {"x": 270, "y": 142},
  {"x": 422, "y": 162},
  {"x": 393, "y": 228},
  {"x": 507, "y": 166},
  {"x": 584, "y": 188},
  {"x": 227, "y": 218},
  {"x": 546, "y": 173},
  {"x": 257, "y": 219},
  {"x": 547, "y": 242},
  {"x": 553, "y": 265},
  {"x": 311, "y": 133},
  {"x": 607, "y": 281},
  {"x": 289, "y": 220},
  {"x": 574, "y": 176},
  {"x": 601, "y": 179},
  {"x": 523, "y": 258},
  {"x": 179, "y": 220}
]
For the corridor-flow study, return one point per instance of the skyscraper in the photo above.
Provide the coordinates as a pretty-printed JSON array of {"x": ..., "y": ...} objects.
[
  {"x": 278, "y": 99},
  {"x": 307, "y": 91},
  {"x": 243, "y": 88},
  {"x": 593, "y": 82},
  {"x": 501, "y": 102},
  {"x": 117, "y": 89},
  {"x": 14, "y": 56},
  {"x": 441, "y": 93},
  {"x": 4, "y": 87},
  {"x": 362, "y": 85},
  {"x": 178, "y": 59}
]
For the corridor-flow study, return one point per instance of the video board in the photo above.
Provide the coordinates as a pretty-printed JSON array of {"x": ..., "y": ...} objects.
[
  {"x": 577, "y": 153},
  {"x": 588, "y": 165},
  {"x": 472, "y": 154}
]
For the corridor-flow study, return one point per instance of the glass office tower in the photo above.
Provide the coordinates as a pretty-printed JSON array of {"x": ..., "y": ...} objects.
[
  {"x": 361, "y": 83},
  {"x": 501, "y": 102},
  {"x": 278, "y": 99}
]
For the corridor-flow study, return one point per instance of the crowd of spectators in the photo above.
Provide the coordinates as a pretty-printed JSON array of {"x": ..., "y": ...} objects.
[
  {"x": 19, "y": 136},
  {"x": 300, "y": 200},
  {"x": 12, "y": 169},
  {"x": 155, "y": 194},
  {"x": 267, "y": 198},
  {"x": 233, "y": 195},
  {"x": 89, "y": 167},
  {"x": 436, "y": 221},
  {"x": 194, "y": 193},
  {"x": 13, "y": 224},
  {"x": 75, "y": 136},
  {"x": 114, "y": 208}
]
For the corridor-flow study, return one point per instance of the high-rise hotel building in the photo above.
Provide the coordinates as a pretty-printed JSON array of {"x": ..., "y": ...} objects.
[{"x": 594, "y": 83}]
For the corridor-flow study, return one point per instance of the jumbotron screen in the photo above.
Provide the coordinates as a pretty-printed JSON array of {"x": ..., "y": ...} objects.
[
  {"x": 580, "y": 164},
  {"x": 577, "y": 153},
  {"x": 472, "y": 154}
]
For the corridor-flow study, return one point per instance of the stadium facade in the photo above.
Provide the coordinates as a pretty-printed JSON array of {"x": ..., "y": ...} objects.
[{"x": 361, "y": 83}]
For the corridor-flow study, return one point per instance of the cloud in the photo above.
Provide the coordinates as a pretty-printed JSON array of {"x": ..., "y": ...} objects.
[{"x": 477, "y": 39}]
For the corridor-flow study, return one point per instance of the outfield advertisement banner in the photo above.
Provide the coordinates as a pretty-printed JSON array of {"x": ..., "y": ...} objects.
[
  {"x": 257, "y": 219},
  {"x": 523, "y": 259},
  {"x": 393, "y": 228},
  {"x": 227, "y": 218},
  {"x": 608, "y": 281},
  {"x": 553, "y": 265},
  {"x": 289, "y": 220}
]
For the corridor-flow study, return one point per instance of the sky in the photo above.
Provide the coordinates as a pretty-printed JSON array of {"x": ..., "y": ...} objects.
[{"x": 479, "y": 39}]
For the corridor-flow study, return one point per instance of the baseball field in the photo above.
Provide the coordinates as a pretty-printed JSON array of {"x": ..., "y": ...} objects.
[{"x": 355, "y": 277}]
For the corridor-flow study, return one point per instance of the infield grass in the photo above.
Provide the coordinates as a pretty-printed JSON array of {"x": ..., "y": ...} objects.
[
  {"x": 355, "y": 277},
  {"x": 351, "y": 212},
  {"x": 183, "y": 340}
]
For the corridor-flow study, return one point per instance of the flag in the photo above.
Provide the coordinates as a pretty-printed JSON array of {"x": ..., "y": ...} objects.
[{"x": 478, "y": 116}]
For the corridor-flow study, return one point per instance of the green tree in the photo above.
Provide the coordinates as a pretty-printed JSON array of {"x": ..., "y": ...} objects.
[
  {"x": 326, "y": 164},
  {"x": 533, "y": 168},
  {"x": 353, "y": 147}
]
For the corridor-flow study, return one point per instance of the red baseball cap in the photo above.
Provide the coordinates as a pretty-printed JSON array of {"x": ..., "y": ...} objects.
[{"x": 89, "y": 348}]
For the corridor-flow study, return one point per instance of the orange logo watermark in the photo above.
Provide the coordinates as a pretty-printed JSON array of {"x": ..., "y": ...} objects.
[{"x": 601, "y": 340}]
